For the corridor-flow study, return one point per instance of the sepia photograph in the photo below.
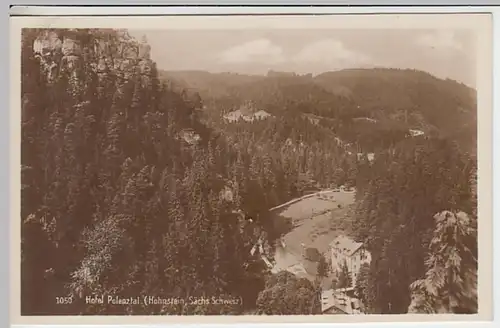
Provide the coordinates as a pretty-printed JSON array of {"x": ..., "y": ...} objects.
[{"x": 256, "y": 171}]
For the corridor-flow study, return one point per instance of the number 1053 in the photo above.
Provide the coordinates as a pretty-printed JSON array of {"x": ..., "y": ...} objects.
[{"x": 64, "y": 300}]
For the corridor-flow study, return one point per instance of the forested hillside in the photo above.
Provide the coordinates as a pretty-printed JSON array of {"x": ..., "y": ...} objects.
[
  {"x": 114, "y": 199},
  {"x": 134, "y": 182},
  {"x": 373, "y": 108},
  {"x": 399, "y": 194},
  {"x": 411, "y": 98},
  {"x": 207, "y": 84},
  {"x": 398, "y": 197}
]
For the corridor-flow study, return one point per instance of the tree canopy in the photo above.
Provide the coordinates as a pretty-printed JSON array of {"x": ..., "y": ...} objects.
[{"x": 135, "y": 183}]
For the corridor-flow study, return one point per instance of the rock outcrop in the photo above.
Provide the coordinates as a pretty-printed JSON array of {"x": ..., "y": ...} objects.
[{"x": 113, "y": 55}]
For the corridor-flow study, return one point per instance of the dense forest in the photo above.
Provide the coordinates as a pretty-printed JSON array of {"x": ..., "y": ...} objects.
[
  {"x": 398, "y": 199},
  {"x": 400, "y": 193},
  {"x": 393, "y": 100},
  {"x": 133, "y": 183},
  {"x": 121, "y": 202}
]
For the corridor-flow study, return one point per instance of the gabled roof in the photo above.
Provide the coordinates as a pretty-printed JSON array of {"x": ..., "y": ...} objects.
[
  {"x": 345, "y": 245},
  {"x": 330, "y": 302}
]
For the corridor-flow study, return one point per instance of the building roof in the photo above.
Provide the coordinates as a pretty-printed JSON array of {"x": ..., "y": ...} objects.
[
  {"x": 339, "y": 301},
  {"x": 328, "y": 301},
  {"x": 333, "y": 310},
  {"x": 345, "y": 244},
  {"x": 246, "y": 114},
  {"x": 415, "y": 133},
  {"x": 190, "y": 136}
]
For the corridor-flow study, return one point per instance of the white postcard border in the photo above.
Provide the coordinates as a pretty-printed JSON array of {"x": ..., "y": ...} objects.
[{"x": 484, "y": 85}]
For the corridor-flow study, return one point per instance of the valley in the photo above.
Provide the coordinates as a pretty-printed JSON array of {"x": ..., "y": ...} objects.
[
  {"x": 191, "y": 184},
  {"x": 351, "y": 120}
]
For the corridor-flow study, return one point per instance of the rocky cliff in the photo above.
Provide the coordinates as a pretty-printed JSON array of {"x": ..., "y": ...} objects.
[{"x": 104, "y": 52}]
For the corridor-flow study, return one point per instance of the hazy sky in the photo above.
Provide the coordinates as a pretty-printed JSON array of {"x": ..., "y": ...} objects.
[{"x": 444, "y": 53}]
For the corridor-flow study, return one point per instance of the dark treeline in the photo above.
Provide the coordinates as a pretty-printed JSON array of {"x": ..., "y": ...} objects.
[
  {"x": 396, "y": 99},
  {"x": 134, "y": 186},
  {"x": 397, "y": 199},
  {"x": 399, "y": 195},
  {"x": 114, "y": 200},
  {"x": 299, "y": 155}
]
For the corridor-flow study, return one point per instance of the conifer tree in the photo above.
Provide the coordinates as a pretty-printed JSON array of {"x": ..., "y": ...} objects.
[{"x": 450, "y": 283}]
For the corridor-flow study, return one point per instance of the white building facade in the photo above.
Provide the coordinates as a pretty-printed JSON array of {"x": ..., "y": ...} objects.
[{"x": 345, "y": 250}]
